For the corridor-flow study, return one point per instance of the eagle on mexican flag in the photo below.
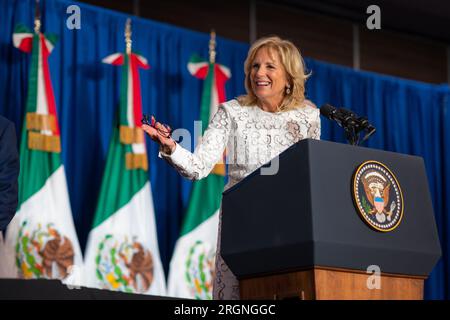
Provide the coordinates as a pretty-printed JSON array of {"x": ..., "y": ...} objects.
[
  {"x": 122, "y": 252},
  {"x": 192, "y": 265},
  {"x": 41, "y": 240}
]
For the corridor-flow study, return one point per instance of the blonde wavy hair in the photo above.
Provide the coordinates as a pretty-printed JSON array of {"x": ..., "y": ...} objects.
[{"x": 293, "y": 64}]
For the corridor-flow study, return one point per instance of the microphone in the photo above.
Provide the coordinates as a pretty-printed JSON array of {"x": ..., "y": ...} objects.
[
  {"x": 351, "y": 123},
  {"x": 343, "y": 117},
  {"x": 362, "y": 123}
]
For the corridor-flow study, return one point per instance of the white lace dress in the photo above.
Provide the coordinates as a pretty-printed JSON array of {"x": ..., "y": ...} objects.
[{"x": 252, "y": 137}]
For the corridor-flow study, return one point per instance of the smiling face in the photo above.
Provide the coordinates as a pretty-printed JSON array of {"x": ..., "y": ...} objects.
[{"x": 268, "y": 78}]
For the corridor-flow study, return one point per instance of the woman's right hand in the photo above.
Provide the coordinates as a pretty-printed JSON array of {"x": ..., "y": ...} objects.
[{"x": 160, "y": 135}]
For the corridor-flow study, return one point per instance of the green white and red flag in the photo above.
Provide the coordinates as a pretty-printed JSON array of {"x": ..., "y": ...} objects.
[
  {"x": 41, "y": 240},
  {"x": 122, "y": 252},
  {"x": 193, "y": 262}
]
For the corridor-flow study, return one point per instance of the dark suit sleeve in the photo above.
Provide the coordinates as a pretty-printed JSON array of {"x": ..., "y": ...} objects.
[{"x": 9, "y": 173}]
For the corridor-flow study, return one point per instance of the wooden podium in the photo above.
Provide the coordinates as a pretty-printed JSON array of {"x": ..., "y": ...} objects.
[
  {"x": 297, "y": 234},
  {"x": 330, "y": 284}
]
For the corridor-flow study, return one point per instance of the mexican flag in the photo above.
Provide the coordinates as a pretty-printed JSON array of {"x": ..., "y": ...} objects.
[
  {"x": 122, "y": 251},
  {"x": 41, "y": 241},
  {"x": 192, "y": 266}
]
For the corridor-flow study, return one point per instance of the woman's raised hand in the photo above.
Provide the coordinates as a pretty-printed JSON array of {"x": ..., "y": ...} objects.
[{"x": 159, "y": 133}]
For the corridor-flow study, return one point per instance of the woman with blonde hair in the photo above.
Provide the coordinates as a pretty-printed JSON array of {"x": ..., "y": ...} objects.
[{"x": 254, "y": 128}]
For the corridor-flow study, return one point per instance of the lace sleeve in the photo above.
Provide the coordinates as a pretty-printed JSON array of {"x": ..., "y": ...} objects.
[
  {"x": 208, "y": 152},
  {"x": 314, "y": 129},
  {"x": 314, "y": 125}
]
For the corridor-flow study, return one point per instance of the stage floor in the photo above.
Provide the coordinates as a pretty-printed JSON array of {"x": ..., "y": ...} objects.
[{"x": 19, "y": 289}]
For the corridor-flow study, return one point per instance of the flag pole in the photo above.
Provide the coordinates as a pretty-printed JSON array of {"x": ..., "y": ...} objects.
[
  {"x": 212, "y": 47},
  {"x": 37, "y": 18},
  {"x": 128, "y": 40}
]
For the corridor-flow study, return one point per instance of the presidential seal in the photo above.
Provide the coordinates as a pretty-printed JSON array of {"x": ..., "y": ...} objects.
[{"x": 377, "y": 196}]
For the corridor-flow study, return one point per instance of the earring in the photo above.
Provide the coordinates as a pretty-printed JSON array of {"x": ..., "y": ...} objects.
[{"x": 288, "y": 90}]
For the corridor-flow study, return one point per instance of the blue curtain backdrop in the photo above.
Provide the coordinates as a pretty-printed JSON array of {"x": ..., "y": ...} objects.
[{"x": 411, "y": 117}]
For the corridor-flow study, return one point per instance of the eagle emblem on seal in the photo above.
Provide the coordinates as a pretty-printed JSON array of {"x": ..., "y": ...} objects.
[{"x": 377, "y": 196}]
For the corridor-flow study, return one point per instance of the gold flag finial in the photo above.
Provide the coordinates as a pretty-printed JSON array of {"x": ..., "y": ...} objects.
[
  {"x": 212, "y": 47},
  {"x": 37, "y": 18},
  {"x": 128, "y": 35}
]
